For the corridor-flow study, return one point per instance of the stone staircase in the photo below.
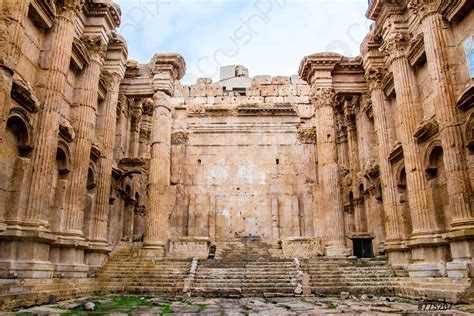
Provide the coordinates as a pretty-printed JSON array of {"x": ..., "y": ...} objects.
[
  {"x": 244, "y": 278},
  {"x": 127, "y": 272},
  {"x": 247, "y": 249},
  {"x": 356, "y": 276}
]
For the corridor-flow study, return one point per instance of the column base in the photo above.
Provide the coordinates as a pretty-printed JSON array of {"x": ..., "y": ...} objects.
[
  {"x": 25, "y": 258},
  {"x": 152, "y": 251},
  {"x": 399, "y": 256},
  {"x": 97, "y": 254},
  {"x": 338, "y": 251},
  {"x": 67, "y": 255},
  {"x": 461, "y": 243},
  {"x": 429, "y": 254}
]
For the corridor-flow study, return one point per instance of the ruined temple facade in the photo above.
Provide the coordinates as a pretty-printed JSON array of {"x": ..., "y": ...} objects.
[{"x": 366, "y": 156}]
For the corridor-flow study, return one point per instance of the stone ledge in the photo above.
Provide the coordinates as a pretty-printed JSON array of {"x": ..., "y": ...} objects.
[{"x": 190, "y": 247}]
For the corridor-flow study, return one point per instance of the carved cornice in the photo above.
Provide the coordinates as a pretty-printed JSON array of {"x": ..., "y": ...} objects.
[
  {"x": 307, "y": 135},
  {"x": 466, "y": 99},
  {"x": 80, "y": 55},
  {"x": 179, "y": 138},
  {"x": 416, "y": 51},
  {"x": 95, "y": 152},
  {"x": 42, "y": 13},
  {"x": 23, "y": 94},
  {"x": 322, "y": 97},
  {"x": 66, "y": 131},
  {"x": 397, "y": 153},
  {"x": 426, "y": 130}
]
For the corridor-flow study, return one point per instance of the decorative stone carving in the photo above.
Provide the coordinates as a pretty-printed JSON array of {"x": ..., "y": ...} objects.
[
  {"x": 43, "y": 12},
  {"x": 307, "y": 135},
  {"x": 80, "y": 55},
  {"x": 179, "y": 138},
  {"x": 427, "y": 129},
  {"x": 396, "y": 46},
  {"x": 321, "y": 97},
  {"x": 24, "y": 95},
  {"x": 397, "y": 153},
  {"x": 422, "y": 8}
]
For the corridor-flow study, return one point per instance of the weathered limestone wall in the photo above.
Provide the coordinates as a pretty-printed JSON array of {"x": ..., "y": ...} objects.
[{"x": 237, "y": 161}]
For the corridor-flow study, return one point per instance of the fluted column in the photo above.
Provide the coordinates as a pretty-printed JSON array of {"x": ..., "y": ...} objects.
[
  {"x": 426, "y": 245},
  {"x": 104, "y": 167},
  {"x": 455, "y": 163},
  {"x": 52, "y": 87},
  {"x": 393, "y": 223},
  {"x": 159, "y": 172},
  {"x": 85, "y": 107},
  {"x": 167, "y": 68},
  {"x": 329, "y": 176},
  {"x": 436, "y": 47},
  {"x": 408, "y": 102}
]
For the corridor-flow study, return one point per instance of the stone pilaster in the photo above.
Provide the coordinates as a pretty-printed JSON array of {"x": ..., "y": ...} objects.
[
  {"x": 455, "y": 164},
  {"x": 329, "y": 177},
  {"x": 427, "y": 254},
  {"x": 52, "y": 87},
  {"x": 166, "y": 68}
]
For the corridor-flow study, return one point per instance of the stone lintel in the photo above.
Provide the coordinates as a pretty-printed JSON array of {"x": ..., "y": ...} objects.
[{"x": 460, "y": 234}]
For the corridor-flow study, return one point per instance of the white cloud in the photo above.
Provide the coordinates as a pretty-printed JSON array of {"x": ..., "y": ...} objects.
[{"x": 267, "y": 36}]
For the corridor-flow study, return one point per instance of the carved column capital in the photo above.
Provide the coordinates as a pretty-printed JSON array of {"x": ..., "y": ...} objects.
[
  {"x": 322, "y": 97},
  {"x": 307, "y": 135},
  {"x": 396, "y": 46},
  {"x": 424, "y": 8},
  {"x": 375, "y": 76},
  {"x": 96, "y": 47},
  {"x": 73, "y": 6},
  {"x": 112, "y": 79}
]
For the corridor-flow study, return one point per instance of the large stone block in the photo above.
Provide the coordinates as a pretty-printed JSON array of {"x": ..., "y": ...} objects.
[
  {"x": 302, "y": 247},
  {"x": 280, "y": 80},
  {"x": 269, "y": 90},
  {"x": 198, "y": 91},
  {"x": 259, "y": 80},
  {"x": 190, "y": 247}
]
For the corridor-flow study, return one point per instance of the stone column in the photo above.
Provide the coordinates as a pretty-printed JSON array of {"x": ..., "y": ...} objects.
[
  {"x": 394, "y": 245},
  {"x": 52, "y": 87},
  {"x": 98, "y": 233},
  {"x": 426, "y": 252},
  {"x": 167, "y": 68},
  {"x": 14, "y": 14},
  {"x": 329, "y": 176},
  {"x": 458, "y": 184},
  {"x": 84, "y": 109},
  {"x": 145, "y": 132}
]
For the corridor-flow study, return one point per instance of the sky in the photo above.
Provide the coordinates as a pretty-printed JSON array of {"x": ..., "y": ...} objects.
[{"x": 269, "y": 37}]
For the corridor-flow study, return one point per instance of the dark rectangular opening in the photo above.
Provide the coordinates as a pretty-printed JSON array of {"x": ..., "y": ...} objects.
[{"x": 362, "y": 247}]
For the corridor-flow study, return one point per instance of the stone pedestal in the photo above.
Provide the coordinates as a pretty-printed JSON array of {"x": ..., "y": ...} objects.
[
  {"x": 190, "y": 247},
  {"x": 302, "y": 247}
]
